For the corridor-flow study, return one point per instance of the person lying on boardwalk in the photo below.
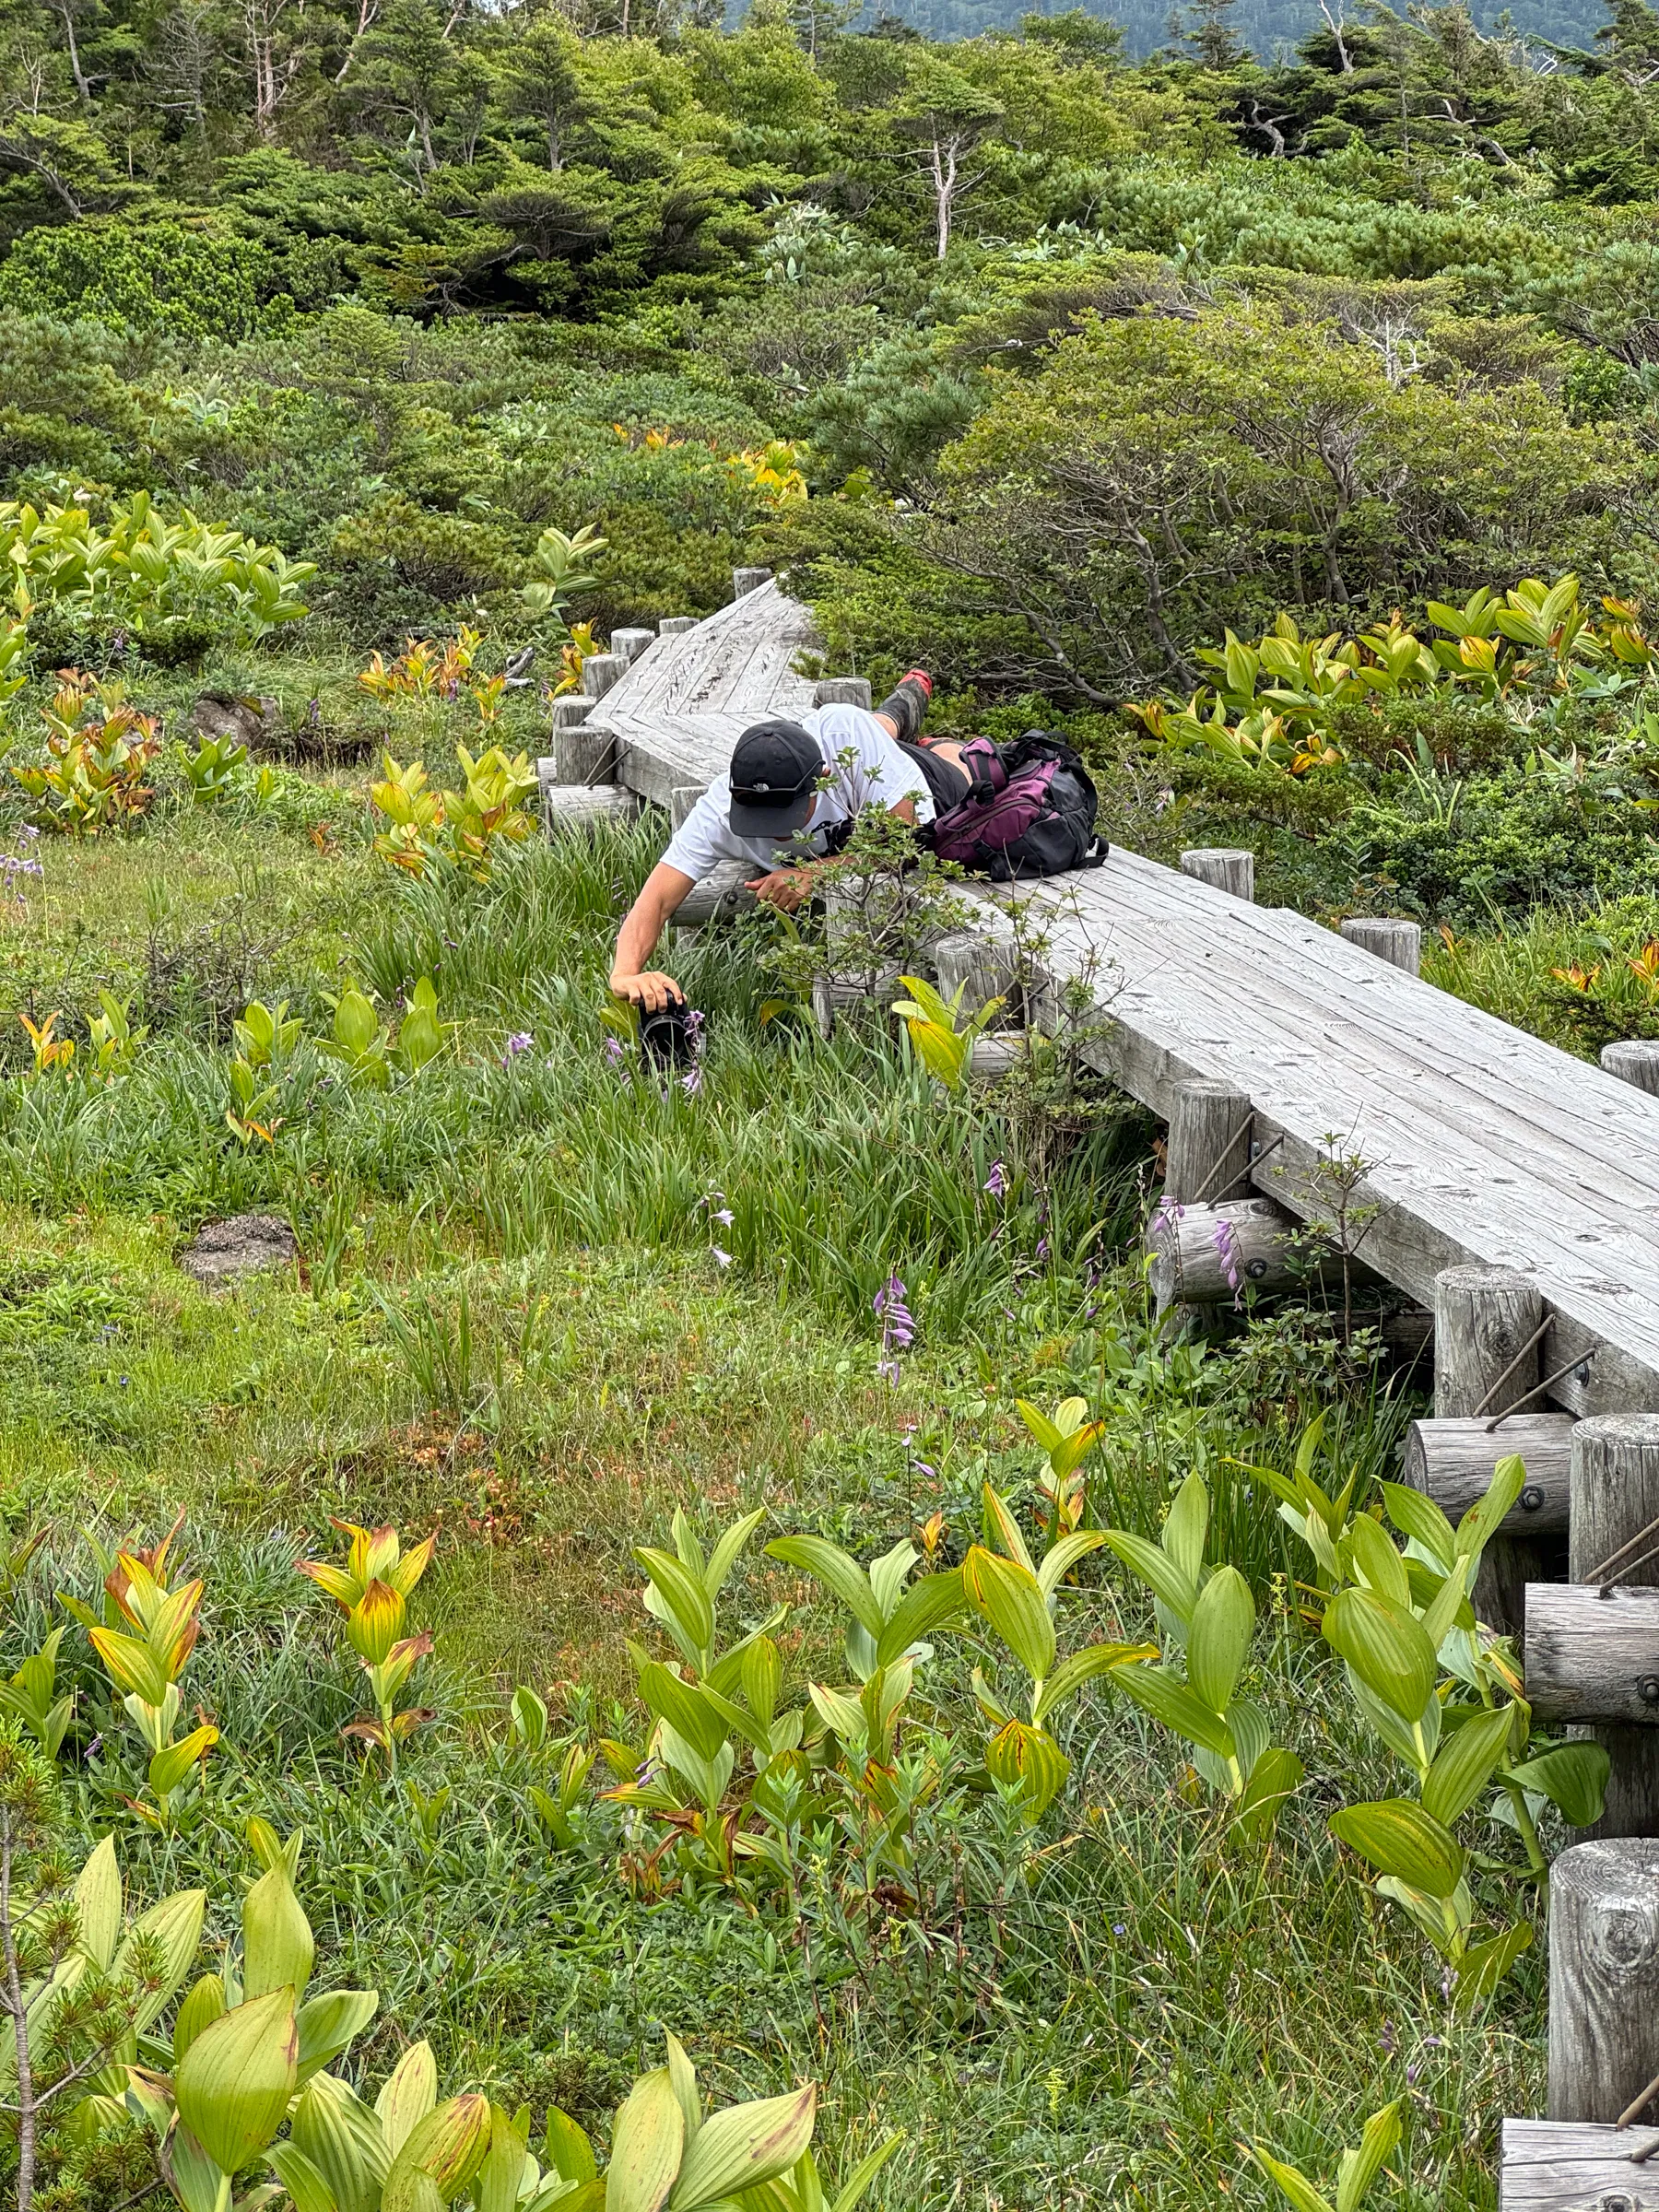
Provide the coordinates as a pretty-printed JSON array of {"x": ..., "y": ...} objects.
[{"x": 793, "y": 791}]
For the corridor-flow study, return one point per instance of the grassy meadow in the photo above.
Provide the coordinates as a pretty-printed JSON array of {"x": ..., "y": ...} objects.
[{"x": 542, "y": 1302}]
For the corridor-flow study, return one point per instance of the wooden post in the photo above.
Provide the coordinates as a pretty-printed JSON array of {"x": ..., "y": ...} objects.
[
  {"x": 600, "y": 670},
  {"x": 1603, "y": 1983},
  {"x": 1615, "y": 1494},
  {"x": 632, "y": 643},
  {"x": 675, "y": 626},
  {"x": 1206, "y": 1157},
  {"x": 745, "y": 581},
  {"x": 1453, "y": 1461},
  {"x": 843, "y": 691},
  {"x": 1398, "y": 942},
  {"x": 583, "y": 754},
  {"x": 582, "y": 806},
  {"x": 1209, "y": 1255},
  {"x": 982, "y": 965},
  {"x": 681, "y": 800},
  {"x": 1593, "y": 1657},
  {"x": 720, "y": 894},
  {"x": 994, "y": 1052},
  {"x": 1634, "y": 1061},
  {"x": 1226, "y": 866},
  {"x": 1483, "y": 1318}
]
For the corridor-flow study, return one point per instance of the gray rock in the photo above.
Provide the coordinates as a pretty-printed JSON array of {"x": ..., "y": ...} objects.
[
  {"x": 220, "y": 1251},
  {"x": 251, "y": 721}
]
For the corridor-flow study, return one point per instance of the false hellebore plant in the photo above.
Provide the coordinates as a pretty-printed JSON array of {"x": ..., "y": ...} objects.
[
  {"x": 372, "y": 1591},
  {"x": 1443, "y": 1696},
  {"x": 144, "y": 1640}
]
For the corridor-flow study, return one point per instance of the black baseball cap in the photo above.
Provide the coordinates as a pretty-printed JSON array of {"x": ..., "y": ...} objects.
[{"x": 775, "y": 772}]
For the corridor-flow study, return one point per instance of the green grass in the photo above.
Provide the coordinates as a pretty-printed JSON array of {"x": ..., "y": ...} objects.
[{"x": 508, "y": 1320}]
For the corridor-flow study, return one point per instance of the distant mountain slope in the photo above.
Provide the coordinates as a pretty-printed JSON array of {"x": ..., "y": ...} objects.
[{"x": 1265, "y": 24}]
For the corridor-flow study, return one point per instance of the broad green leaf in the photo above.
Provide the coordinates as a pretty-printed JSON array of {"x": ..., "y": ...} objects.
[
  {"x": 442, "y": 2154},
  {"x": 1275, "y": 1777},
  {"x": 198, "y": 2008},
  {"x": 1449, "y": 1608},
  {"x": 1481, "y": 1523},
  {"x": 172, "y": 1933},
  {"x": 196, "y": 2178},
  {"x": 837, "y": 1570},
  {"x": 1029, "y": 1757},
  {"x": 502, "y": 2173},
  {"x": 683, "y": 2076},
  {"x": 933, "y": 1602},
  {"x": 1007, "y": 1597},
  {"x": 684, "y": 1707},
  {"x": 646, "y": 2147},
  {"x": 725, "y": 1552},
  {"x": 1087, "y": 1665},
  {"x": 1574, "y": 1777},
  {"x": 308, "y": 2188},
  {"x": 1377, "y": 1563},
  {"x": 841, "y": 1712},
  {"x": 1419, "y": 1517},
  {"x": 330, "y": 2023},
  {"x": 278, "y": 1945},
  {"x": 233, "y": 2087},
  {"x": 408, "y": 2095},
  {"x": 1294, "y": 2187},
  {"x": 566, "y": 2148},
  {"x": 1219, "y": 1638},
  {"x": 1061, "y": 1557},
  {"x": 1485, "y": 1964},
  {"x": 1157, "y": 1570},
  {"x": 742, "y": 2147},
  {"x": 98, "y": 1903},
  {"x": 682, "y": 1591},
  {"x": 1162, "y": 1693},
  {"x": 170, "y": 1767},
  {"x": 1387, "y": 1649},
  {"x": 1002, "y": 1528},
  {"x": 1400, "y": 1838},
  {"x": 762, "y": 1679},
  {"x": 1465, "y": 1763},
  {"x": 1360, "y": 2168},
  {"x": 1185, "y": 1526}
]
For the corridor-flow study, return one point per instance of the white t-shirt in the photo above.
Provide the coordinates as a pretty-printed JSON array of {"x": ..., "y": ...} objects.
[{"x": 876, "y": 773}]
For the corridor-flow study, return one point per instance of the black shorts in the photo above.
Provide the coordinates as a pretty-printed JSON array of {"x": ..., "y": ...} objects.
[{"x": 946, "y": 785}]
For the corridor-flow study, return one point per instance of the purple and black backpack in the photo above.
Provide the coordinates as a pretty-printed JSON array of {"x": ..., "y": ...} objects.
[{"x": 1030, "y": 811}]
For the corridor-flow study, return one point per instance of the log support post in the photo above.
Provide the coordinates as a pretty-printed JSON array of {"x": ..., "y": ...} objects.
[
  {"x": 1454, "y": 1461},
  {"x": 1634, "y": 1061},
  {"x": 745, "y": 581},
  {"x": 1398, "y": 942},
  {"x": 843, "y": 691},
  {"x": 983, "y": 963},
  {"x": 675, "y": 626},
  {"x": 1209, "y": 1255},
  {"x": 1604, "y": 1990},
  {"x": 566, "y": 807},
  {"x": 1226, "y": 868},
  {"x": 1615, "y": 1498},
  {"x": 1207, "y": 1152},
  {"x": 681, "y": 800},
  {"x": 1486, "y": 1359},
  {"x": 632, "y": 643},
  {"x": 601, "y": 671}
]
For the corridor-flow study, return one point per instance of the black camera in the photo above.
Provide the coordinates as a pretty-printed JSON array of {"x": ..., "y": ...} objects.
[{"x": 666, "y": 1036}]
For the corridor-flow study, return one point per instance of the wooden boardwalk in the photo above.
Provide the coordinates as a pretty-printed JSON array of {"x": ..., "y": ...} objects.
[{"x": 1486, "y": 1145}]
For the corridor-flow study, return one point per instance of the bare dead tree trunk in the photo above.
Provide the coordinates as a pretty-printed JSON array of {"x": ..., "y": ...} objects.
[
  {"x": 81, "y": 86},
  {"x": 1343, "y": 55},
  {"x": 366, "y": 12},
  {"x": 19, "y": 2019}
]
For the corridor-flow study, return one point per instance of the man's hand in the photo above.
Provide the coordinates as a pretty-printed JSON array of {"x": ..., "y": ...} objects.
[
  {"x": 649, "y": 992},
  {"x": 785, "y": 888}
]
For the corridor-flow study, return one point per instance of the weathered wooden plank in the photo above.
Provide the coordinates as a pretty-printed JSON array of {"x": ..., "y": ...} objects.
[
  {"x": 1452, "y": 1461},
  {"x": 1592, "y": 1658},
  {"x": 1559, "y": 2166}
]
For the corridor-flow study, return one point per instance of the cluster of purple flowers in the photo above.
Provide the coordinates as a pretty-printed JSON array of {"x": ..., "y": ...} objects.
[
  {"x": 17, "y": 868},
  {"x": 898, "y": 1326},
  {"x": 518, "y": 1042},
  {"x": 995, "y": 1185},
  {"x": 1226, "y": 1251}
]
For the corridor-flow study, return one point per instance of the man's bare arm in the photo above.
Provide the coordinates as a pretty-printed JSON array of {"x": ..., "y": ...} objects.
[{"x": 643, "y": 927}]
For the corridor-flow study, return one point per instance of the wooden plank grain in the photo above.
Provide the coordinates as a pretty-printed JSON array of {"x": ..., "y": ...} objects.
[{"x": 1561, "y": 2166}]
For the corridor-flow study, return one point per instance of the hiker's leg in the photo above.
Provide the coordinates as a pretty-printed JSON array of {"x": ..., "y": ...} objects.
[{"x": 904, "y": 707}]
